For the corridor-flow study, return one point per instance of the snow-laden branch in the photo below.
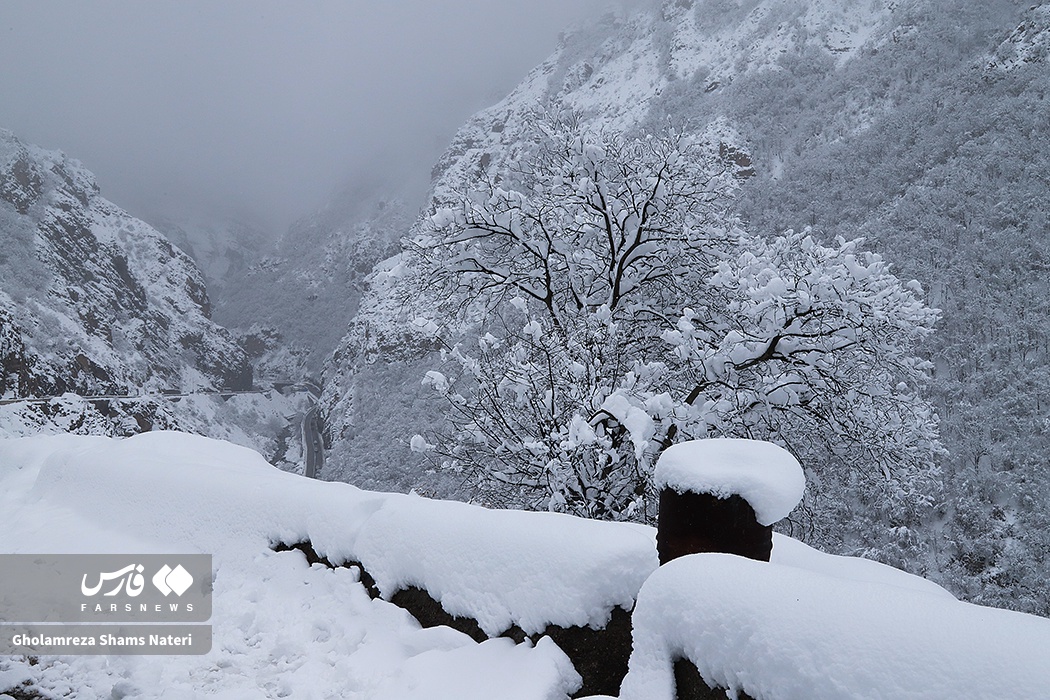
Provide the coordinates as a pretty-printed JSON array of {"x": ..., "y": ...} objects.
[{"x": 621, "y": 308}]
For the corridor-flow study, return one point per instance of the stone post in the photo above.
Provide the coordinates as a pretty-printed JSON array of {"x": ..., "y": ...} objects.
[
  {"x": 723, "y": 495},
  {"x": 690, "y": 523}
]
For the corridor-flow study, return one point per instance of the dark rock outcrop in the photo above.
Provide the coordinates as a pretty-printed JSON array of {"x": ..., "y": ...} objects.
[{"x": 690, "y": 685}]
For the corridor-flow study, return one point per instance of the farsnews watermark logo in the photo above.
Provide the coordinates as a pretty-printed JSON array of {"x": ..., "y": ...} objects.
[
  {"x": 169, "y": 588},
  {"x": 129, "y": 579},
  {"x": 169, "y": 580},
  {"x": 120, "y": 589},
  {"x": 80, "y": 603},
  {"x": 130, "y": 576}
]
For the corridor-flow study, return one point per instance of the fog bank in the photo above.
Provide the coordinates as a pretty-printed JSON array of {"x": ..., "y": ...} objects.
[{"x": 257, "y": 109}]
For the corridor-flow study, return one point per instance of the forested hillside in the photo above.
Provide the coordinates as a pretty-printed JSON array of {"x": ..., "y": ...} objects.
[
  {"x": 948, "y": 179},
  {"x": 918, "y": 126}
]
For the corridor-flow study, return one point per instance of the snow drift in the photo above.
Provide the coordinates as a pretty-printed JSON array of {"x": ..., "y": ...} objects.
[
  {"x": 805, "y": 625},
  {"x": 783, "y": 632}
]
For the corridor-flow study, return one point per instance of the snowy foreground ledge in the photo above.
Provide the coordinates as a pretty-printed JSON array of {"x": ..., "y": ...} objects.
[
  {"x": 502, "y": 568},
  {"x": 785, "y": 633},
  {"x": 283, "y": 628}
]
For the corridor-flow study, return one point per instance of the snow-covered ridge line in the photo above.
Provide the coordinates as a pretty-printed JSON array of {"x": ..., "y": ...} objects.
[{"x": 613, "y": 71}]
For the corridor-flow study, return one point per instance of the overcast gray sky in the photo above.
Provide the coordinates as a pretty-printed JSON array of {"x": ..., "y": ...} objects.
[{"x": 259, "y": 108}]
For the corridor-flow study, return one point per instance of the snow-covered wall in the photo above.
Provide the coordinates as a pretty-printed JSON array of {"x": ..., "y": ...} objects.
[
  {"x": 501, "y": 568},
  {"x": 504, "y": 567},
  {"x": 805, "y": 625},
  {"x": 787, "y": 633}
]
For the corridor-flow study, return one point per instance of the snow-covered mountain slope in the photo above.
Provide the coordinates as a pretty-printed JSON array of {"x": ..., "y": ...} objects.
[
  {"x": 943, "y": 171},
  {"x": 308, "y": 286},
  {"x": 620, "y": 72},
  {"x": 1029, "y": 43},
  {"x": 916, "y": 124},
  {"x": 223, "y": 249},
  {"x": 92, "y": 300}
]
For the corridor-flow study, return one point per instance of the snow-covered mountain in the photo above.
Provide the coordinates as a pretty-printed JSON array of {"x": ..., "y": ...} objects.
[
  {"x": 918, "y": 125},
  {"x": 222, "y": 248},
  {"x": 625, "y": 72},
  {"x": 93, "y": 300},
  {"x": 307, "y": 287}
]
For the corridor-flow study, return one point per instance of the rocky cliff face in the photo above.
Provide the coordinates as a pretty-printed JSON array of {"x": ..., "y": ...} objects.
[{"x": 92, "y": 300}]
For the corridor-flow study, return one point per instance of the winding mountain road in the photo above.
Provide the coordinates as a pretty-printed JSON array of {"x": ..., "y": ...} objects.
[
  {"x": 313, "y": 443},
  {"x": 311, "y": 426}
]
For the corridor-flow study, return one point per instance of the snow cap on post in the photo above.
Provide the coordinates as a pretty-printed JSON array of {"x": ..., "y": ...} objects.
[{"x": 765, "y": 475}]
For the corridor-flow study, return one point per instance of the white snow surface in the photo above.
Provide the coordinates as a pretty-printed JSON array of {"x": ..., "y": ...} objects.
[
  {"x": 750, "y": 36},
  {"x": 284, "y": 628},
  {"x": 765, "y": 475},
  {"x": 505, "y": 567},
  {"x": 786, "y": 633},
  {"x": 787, "y": 551}
]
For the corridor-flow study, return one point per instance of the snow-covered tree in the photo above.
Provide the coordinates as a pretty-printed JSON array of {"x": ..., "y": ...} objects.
[{"x": 596, "y": 302}]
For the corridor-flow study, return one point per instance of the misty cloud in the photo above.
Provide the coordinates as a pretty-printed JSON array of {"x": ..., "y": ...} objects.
[{"x": 253, "y": 109}]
